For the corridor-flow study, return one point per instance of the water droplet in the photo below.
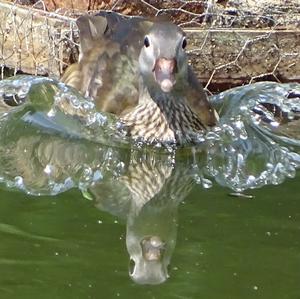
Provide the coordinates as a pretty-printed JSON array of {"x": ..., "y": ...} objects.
[
  {"x": 19, "y": 182},
  {"x": 48, "y": 169},
  {"x": 97, "y": 176},
  {"x": 206, "y": 183}
]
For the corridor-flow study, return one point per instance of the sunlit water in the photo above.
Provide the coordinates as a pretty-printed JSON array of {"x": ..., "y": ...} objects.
[{"x": 56, "y": 148}]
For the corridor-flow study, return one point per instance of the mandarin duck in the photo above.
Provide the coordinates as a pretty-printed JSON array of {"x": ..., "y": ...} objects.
[{"x": 138, "y": 69}]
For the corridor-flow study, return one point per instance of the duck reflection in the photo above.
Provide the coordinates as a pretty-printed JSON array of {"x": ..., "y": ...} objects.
[
  {"x": 154, "y": 189},
  {"x": 141, "y": 187}
]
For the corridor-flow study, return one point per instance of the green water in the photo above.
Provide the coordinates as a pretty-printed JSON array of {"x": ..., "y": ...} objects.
[
  {"x": 126, "y": 222},
  {"x": 227, "y": 247}
]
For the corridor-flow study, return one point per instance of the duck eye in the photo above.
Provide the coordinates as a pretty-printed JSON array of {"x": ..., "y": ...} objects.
[
  {"x": 146, "y": 42},
  {"x": 184, "y": 43}
]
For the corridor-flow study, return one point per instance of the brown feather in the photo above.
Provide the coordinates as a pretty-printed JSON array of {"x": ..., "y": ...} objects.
[{"x": 108, "y": 72}]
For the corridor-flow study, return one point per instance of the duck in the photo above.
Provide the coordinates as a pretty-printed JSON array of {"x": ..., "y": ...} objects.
[{"x": 138, "y": 70}]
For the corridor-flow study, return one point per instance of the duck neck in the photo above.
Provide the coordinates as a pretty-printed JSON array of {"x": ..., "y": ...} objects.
[
  {"x": 154, "y": 95},
  {"x": 162, "y": 117}
]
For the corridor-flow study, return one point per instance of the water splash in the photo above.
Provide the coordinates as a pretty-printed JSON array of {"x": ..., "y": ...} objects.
[
  {"x": 253, "y": 147},
  {"x": 53, "y": 139},
  {"x": 54, "y": 107}
]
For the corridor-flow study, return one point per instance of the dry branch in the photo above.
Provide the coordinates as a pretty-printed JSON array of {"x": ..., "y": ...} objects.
[{"x": 34, "y": 41}]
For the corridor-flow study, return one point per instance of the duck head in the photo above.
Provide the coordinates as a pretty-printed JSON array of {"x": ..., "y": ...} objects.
[{"x": 163, "y": 61}]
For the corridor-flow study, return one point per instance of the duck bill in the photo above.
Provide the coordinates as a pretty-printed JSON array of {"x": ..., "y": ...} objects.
[
  {"x": 164, "y": 73},
  {"x": 152, "y": 248}
]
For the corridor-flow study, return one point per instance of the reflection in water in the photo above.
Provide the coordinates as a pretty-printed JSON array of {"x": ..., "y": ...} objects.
[
  {"x": 147, "y": 195},
  {"x": 141, "y": 187},
  {"x": 52, "y": 139}
]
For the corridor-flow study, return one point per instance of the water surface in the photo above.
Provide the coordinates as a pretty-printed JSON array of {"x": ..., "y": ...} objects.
[
  {"x": 86, "y": 214},
  {"x": 226, "y": 247}
]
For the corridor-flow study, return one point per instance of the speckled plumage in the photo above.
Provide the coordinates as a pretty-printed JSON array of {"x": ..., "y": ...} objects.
[{"x": 168, "y": 121}]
